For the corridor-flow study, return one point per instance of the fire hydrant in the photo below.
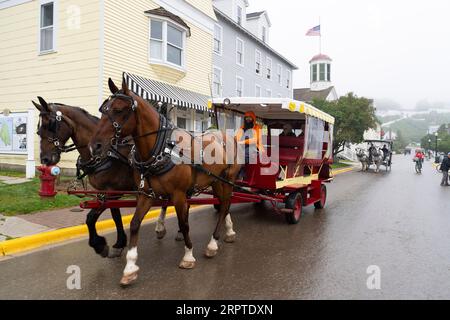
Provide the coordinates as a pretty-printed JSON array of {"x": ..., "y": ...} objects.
[{"x": 48, "y": 179}]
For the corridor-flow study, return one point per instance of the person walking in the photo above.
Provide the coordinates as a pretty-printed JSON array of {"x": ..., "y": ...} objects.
[{"x": 445, "y": 166}]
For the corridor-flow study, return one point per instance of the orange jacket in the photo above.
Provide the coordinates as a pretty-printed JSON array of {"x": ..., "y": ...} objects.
[{"x": 257, "y": 137}]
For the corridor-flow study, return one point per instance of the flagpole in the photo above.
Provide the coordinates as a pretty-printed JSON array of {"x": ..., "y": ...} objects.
[{"x": 320, "y": 37}]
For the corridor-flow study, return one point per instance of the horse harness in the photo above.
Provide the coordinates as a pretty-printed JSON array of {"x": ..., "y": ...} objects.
[
  {"x": 93, "y": 165},
  {"x": 56, "y": 119}
]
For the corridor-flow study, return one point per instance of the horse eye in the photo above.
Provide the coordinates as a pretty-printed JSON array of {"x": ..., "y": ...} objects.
[{"x": 117, "y": 111}]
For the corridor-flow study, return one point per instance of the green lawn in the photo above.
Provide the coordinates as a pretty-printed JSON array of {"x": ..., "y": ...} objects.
[
  {"x": 339, "y": 165},
  {"x": 24, "y": 198},
  {"x": 15, "y": 174}
]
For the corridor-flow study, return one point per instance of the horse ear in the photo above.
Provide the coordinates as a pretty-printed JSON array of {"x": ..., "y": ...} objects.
[
  {"x": 125, "y": 87},
  {"x": 44, "y": 104},
  {"x": 37, "y": 105},
  {"x": 112, "y": 86}
]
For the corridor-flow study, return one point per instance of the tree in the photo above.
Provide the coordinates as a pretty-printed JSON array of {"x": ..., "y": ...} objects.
[{"x": 353, "y": 116}]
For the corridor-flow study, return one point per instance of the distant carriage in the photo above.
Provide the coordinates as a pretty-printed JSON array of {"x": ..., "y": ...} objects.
[{"x": 379, "y": 153}]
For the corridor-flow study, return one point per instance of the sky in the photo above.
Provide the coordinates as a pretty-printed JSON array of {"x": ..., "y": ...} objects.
[{"x": 381, "y": 49}]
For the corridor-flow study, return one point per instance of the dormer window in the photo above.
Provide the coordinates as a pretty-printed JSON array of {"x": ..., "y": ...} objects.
[{"x": 264, "y": 34}]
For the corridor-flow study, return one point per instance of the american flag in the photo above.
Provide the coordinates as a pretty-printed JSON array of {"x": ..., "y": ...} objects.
[{"x": 314, "y": 31}]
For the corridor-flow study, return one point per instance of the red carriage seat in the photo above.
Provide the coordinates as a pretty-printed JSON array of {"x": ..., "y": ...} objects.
[{"x": 291, "y": 149}]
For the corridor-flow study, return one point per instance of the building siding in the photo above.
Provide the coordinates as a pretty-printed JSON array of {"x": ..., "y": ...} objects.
[
  {"x": 68, "y": 76},
  {"x": 231, "y": 70},
  {"x": 126, "y": 48}
]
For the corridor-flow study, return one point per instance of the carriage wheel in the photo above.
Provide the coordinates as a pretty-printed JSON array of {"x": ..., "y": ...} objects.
[
  {"x": 323, "y": 198},
  {"x": 294, "y": 201}
]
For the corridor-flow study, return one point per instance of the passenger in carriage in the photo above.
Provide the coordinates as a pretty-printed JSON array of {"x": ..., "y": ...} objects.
[
  {"x": 287, "y": 131},
  {"x": 250, "y": 136},
  {"x": 302, "y": 134}
]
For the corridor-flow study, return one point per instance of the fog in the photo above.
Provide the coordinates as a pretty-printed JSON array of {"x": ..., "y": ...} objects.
[{"x": 382, "y": 49}]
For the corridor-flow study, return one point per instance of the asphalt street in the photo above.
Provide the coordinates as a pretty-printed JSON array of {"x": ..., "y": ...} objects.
[{"x": 398, "y": 222}]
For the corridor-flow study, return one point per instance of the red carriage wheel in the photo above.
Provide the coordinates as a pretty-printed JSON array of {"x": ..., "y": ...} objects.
[
  {"x": 295, "y": 202},
  {"x": 323, "y": 198}
]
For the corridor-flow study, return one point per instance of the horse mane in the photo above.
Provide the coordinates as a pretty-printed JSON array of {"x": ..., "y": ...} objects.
[{"x": 91, "y": 117}]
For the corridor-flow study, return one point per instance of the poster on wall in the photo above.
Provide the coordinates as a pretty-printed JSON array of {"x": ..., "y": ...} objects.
[{"x": 13, "y": 133}]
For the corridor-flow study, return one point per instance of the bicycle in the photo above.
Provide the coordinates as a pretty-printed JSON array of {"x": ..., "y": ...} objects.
[{"x": 418, "y": 166}]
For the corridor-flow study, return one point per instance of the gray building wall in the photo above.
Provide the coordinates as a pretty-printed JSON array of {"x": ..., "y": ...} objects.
[{"x": 230, "y": 69}]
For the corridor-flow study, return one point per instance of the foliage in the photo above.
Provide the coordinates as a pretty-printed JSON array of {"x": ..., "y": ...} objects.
[
  {"x": 354, "y": 116},
  {"x": 443, "y": 143}
]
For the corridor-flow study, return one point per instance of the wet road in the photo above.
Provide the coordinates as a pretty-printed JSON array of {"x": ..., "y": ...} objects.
[{"x": 398, "y": 221}]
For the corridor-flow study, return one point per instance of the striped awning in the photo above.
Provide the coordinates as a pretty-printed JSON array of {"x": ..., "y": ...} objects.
[{"x": 162, "y": 92}]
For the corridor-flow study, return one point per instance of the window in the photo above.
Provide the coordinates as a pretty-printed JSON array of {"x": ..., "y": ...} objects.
[
  {"x": 314, "y": 73},
  {"x": 47, "y": 27},
  {"x": 269, "y": 68},
  {"x": 288, "y": 79},
  {"x": 322, "y": 71},
  {"x": 264, "y": 34},
  {"x": 279, "y": 75},
  {"x": 239, "y": 15},
  {"x": 240, "y": 52},
  {"x": 257, "y": 91},
  {"x": 269, "y": 93},
  {"x": 239, "y": 87},
  {"x": 328, "y": 72},
  {"x": 217, "y": 82},
  {"x": 258, "y": 62},
  {"x": 218, "y": 34},
  {"x": 166, "y": 43}
]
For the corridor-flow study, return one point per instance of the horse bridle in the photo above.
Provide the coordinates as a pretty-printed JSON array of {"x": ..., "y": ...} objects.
[
  {"x": 56, "y": 119},
  {"x": 104, "y": 109}
]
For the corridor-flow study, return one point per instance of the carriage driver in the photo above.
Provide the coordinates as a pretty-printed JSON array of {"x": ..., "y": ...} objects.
[
  {"x": 385, "y": 152},
  {"x": 250, "y": 135}
]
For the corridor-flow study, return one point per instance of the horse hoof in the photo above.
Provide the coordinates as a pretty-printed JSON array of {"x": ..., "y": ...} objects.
[
  {"x": 230, "y": 238},
  {"x": 179, "y": 237},
  {"x": 115, "y": 253},
  {"x": 105, "y": 252},
  {"x": 128, "y": 279},
  {"x": 187, "y": 265},
  {"x": 210, "y": 253},
  {"x": 161, "y": 234}
]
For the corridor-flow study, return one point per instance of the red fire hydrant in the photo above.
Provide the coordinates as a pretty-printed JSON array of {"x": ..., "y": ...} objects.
[{"x": 48, "y": 179}]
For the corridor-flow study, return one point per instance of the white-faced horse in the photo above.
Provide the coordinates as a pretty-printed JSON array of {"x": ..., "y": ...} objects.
[
  {"x": 377, "y": 158},
  {"x": 363, "y": 158}
]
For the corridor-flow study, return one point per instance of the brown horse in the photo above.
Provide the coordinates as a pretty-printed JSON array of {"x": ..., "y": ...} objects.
[
  {"x": 126, "y": 114},
  {"x": 58, "y": 124}
]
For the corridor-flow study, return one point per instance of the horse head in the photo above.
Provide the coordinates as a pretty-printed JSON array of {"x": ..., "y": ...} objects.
[
  {"x": 119, "y": 119},
  {"x": 55, "y": 129}
]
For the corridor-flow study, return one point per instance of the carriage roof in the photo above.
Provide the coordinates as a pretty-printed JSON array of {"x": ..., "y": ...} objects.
[
  {"x": 272, "y": 108},
  {"x": 387, "y": 142}
]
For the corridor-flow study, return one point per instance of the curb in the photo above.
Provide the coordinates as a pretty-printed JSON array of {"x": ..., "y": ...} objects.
[
  {"x": 27, "y": 243},
  {"x": 335, "y": 173}
]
